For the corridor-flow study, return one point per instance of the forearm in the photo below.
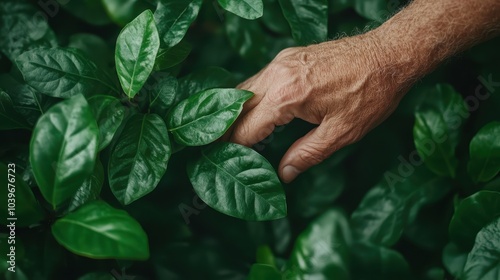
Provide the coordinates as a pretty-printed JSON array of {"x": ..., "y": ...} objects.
[{"x": 429, "y": 31}]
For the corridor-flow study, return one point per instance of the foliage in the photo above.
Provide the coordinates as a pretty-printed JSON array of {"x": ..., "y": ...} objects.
[{"x": 119, "y": 170}]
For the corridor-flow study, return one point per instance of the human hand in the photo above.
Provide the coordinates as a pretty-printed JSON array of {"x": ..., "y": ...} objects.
[{"x": 347, "y": 87}]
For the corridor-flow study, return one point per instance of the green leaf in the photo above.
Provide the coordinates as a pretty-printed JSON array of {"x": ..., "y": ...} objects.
[
  {"x": 91, "y": 11},
  {"x": 63, "y": 149},
  {"x": 100, "y": 231},
  {"x": 206, "y": 78},
  {"x": 454, "y": 260},
  {"x": 27, "y": 210},
  {"x": 9, "y": 118},
  {"x": 61, "y": 72},
  {"x": 389, "y": 206},
  {"x": 173, "y": 18},
  {"x": 307, "y": 19},
  {"x": 92, "y": 46},
  {"x": 136, "y": 49},
  {"x": 484, "y": 163},
  {"x": 265, "y": 256},
  {"x": 124, "y": 11},
  {"x": 140, "y": 158},
  {"x": 248, "y": 9},
  {"x": 483, "y": 262},
  {"x": 90, "y": 189},
  {"x": 472, "y": 214},
  {"x": 247, "y": 39},
  {"x": 206, "y": 116},
  {"x": 436, "y": 129},
  {"x": 322, "y": 250},
  {"x": 109, "y": 114},
  {"x": 264, "y": 272},
  {"x": 239, "y": 182},
  {"x": 375, "y": 262},
  {"x": 162, "y": 95},
  {"x": 170, "y": 57}
]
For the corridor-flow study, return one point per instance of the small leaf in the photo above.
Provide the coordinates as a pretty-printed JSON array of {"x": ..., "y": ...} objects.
[
  {"x": 109, "y": 114},
  {"x": 139, "y": 159},
  {"x": 162, "y": 95},
  {"x": 375, "y": 262},
  {"x": 484, "y": 163},
  {"x": 63, "y": 149},
  {"x": 61, "y": 72},
  {"x": 248, "y": 9},
  {"x": 436, "y": 129},
  {"x": 9, "y": 118},
  {"x": 483, "y": 262},
  {"x": 136, "y": 49},
  {"x": 90, "y": 189},
  {"x": 173, "y": 18},
  {"x": 472, "y": 214},
  {"x": 27, "y": 209},
  {"x": 206, "y": 116},
  {"x": 239, "y": 182},
  {"x": 100, "y": 231},
  {"x": 170, "y": 57},
  {"x": 264, "y": 272},
  {"x": 307, "y": 19},
  {"x": 322, "y": 250}
]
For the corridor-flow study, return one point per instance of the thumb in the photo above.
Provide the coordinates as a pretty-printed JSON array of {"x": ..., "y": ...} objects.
[{"x": 306, "y": 152}]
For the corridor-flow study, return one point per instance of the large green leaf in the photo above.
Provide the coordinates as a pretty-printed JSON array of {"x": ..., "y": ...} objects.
[
  {"x": 62, "y": 72},
  {"x": 124, "y": 11},
  {"x": 454, "y": 259},
  {"x": 173, "y": 18},
  {"x": 322, "y": 250},
  {"x": 9, "y": 117},
  {"x": 483, "y": 262},
  {"x": 140, "y": 158},
  {"x": 206, "y": 116},
  {"x": 100, "y": 231},
  {"x": 307, "y": 19},
  {"x": 63, "y": 149},
  {"x": 437, "y": 126},
  {"x": 237, "y": 181},
  {"x": 109, "y": 114},
  {"x": 375, "y": 262},
  {"x": 162, "y": 95},
  {"x": 388, "y": 207},
  {"x": 91, "y": 11},
  {"x": 90, "y": 189},
  {"x": 260, "y": 271},
  {"x": 472, "y": 214},
  {"x": 136, "y": 49},
  {"x": 249, "y": 9},
  {"x": 26, "y": 210},
  {"x": 170, "y": 57},
  {"x": 484, "y": 163}
]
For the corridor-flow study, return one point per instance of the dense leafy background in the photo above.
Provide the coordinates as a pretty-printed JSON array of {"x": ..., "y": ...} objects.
[{"x": 374, "y": 210}]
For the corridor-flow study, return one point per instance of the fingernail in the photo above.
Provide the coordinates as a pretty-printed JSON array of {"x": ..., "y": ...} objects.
[{"x": 289, "y": 173}]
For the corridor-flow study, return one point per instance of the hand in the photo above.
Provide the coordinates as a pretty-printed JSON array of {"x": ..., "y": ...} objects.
[{"x": 347, "y": 87}]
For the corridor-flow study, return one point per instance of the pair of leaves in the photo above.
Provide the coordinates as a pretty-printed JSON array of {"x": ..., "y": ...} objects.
[
  {"x": 484, "y": 163},
  {"x": 63, "y": 149},
  {"x": 99, "y": 231},
  {"x": 437, "y": 126}
]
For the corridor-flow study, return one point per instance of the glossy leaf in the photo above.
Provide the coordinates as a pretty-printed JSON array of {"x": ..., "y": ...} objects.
[
  {"x": 484, "y": 163},
  {"x": 454, "y": 260},
  {"x": 139, "y": 159},
  {"x": 91, "y": 11},
  {"x": 90, "y": 189},
  {"x": 136, "y": 49},
  {"x": 173, "y": 18},
  {"x": 170, "y": 57},
  {"x": 162, "y": 95},
  {"x": 386, "y": 209},
  {"x": 472, "y": 214},
  {"x": 248, "y": 9},
  {"x": 63, "y": 149},
  {"x": 100, "y": 231},
  {"x": 375, "y": 262},
  {"x": 27, "y": 210},
  {"x": 9, "y": 118},
  {"x": 483, "y": 262},
  {"x": 124, "y": 11},
  {"x": 238, "y": 182},
  {"x": 322, "y": 250},
  {"x": 206, "y": 116},
  {"x": 307, "y": 19},
  {"x": 437, "y": 127},
  {"x": 109, "y": 114},
  {"x": 264, "y": 272}
]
